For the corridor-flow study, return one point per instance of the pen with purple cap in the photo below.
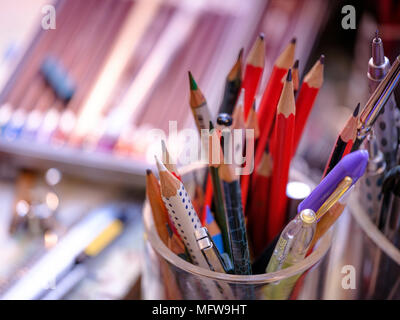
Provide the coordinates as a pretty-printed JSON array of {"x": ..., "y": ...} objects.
[{"x": 299, "y": 234}]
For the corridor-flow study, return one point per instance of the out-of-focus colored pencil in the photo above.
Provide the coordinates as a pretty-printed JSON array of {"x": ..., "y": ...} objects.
[
  {"x": 344, "y": 142},
  {"x": 258, "y": 203},
  {"x": 160, "y": 213},
  {"x": 307, "y": 95},
  {"x": 232, "y": 86}
]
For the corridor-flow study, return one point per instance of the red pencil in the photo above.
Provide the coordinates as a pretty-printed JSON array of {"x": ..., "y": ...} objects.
[
  {"x": 282, "y": 154},
  {"x": 270, "y": 98},
  {"x": 307, "y": 95},
  {"x": 258, "y": 204},
  {"x": 253, "y": 72}
]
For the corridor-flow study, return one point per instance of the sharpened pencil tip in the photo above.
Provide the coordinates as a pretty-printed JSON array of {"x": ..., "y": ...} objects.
[
  {"x": 261, "y": 35},
  {"x": 211, "y": 125},
  {"x": 296, "y": 64},
  {"x": 322, "y": 59},
  {"x": 240, "y": 53},
  {"x": 356, "y": 110},
  {"x": 289, "y": 75},
  {"x": 267, "y": 148},
  {"x": 193, "y": 84},
  {"x": 148, "y": 172},
  {"x": 293, "y": 41}
]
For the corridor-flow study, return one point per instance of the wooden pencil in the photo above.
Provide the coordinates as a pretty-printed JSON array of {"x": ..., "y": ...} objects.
[
  {"x": 344, "y": 142},
  {"x": 168, "y": 162},
  {"x": 160, "y": 213},
  {"x": 271, "y": 96},
  {"x": 220, "y": 212},
  {"x": 258, "y": 203},
  {"x": 307, "y": 95},
  {"x": 252, "y": 121},
  {"x": 232, "y": 86},
  {"x": 295, "y": 76},
  {"x": 282, "y": 151},
  {"x": 199, "y": 107},
  {"x": 253, "y": 72},
  {"x": 236, "y": 222},
  {"x": 181, "y": 212},
  {"x": 175, "y": 244}
]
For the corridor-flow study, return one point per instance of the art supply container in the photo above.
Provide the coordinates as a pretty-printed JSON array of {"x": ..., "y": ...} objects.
[
  {"x": 167, "y": 276},
  {"x": 363, "y": 262}
]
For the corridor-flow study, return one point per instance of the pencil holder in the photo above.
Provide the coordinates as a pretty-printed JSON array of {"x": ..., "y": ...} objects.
[
  {"x": 167, "y": 276},
  {"x": 375, "y": 257}
]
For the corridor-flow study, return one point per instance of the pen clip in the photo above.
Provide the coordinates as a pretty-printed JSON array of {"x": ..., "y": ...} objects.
[{"x": 341, "y": 188}]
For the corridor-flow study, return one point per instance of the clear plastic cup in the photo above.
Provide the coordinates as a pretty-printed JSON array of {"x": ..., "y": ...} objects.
[{"x": 167, "y": 276}]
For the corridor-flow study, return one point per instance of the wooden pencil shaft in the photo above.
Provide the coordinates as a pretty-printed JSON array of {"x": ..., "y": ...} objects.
[
  {"x": 220, "y": 215},
  {"x": 237, "y": 228}
]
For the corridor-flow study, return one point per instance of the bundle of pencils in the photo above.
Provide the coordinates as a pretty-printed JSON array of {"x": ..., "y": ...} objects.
[{"x": 238, "y": 233}]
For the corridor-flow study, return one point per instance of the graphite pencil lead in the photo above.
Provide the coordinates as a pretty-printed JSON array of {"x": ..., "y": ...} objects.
[
  {"x": 261, "y": 35},
  {"x": 322, "y": 59},
  {"x": 356, "y": 110},
  {"x": 148, "y": 171},
  {"x": 289, "y": 75},
  {"x": 193, "y": 84},
  {"x": 296, "y": 64}
]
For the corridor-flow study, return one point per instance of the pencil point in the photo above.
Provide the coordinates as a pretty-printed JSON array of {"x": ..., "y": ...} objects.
[
  {"x": 296, "y": 64},
  {"x": 261, "y": 35},
  {"x": 254, "y": 104},
  {"x": 160, "y": 166},
  {"x": 356, "y": 110},
  {"x": 240, "y": 54},
  {"x": 148, "y": 172},
  {"x": 267, "y": 148},
  {"x": 293, "y": 41},
  {"x": 289, "y": 75},
  {"x": 322, "y": 59},
  {"x": 211, "y": 125},
  {"x": 193, "y": 84}
]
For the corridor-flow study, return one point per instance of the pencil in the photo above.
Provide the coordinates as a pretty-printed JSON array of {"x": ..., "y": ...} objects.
[
  {"x": 181, "y": 212},
  {"x": 185, "y": 219},
  {"x": 295, "y": 76},
  {"x": 175, "y": 244},
  {"x": 284, "y": 130},
  {"x": 160, "y": 213},
  {"x": 214, "y": 230},
  {"x": 232, "y": 86},
  {"x": 344, "y": 142},
  {"x": 258, "y": 203},
  {"x": 253, "y": 71},
  {"x": 198, "y": 104},
  {"x": 307, "y": 95},
  {"x": 252, "y": 121},
  {"x": 271, "y": 96},
  {"x": 168, "y": 162},
  {"x": 220, "y": 213},
  {"x": 237, "y": 227}
]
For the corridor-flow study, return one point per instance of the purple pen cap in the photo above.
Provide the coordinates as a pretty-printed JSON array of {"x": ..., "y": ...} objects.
[{"x": 353, "y": 165}]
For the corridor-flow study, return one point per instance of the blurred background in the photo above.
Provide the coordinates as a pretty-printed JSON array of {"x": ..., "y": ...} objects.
[{"x": 73, "y": 156}]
